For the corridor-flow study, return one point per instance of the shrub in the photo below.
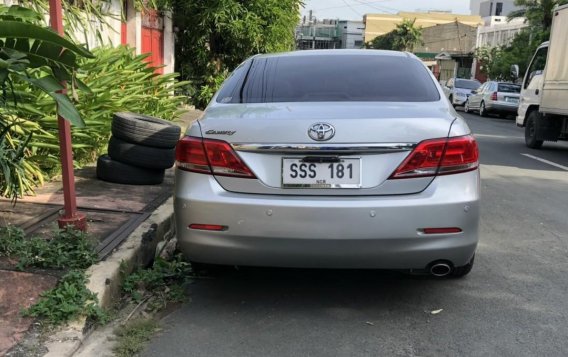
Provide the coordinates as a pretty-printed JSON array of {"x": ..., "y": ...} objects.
[{"x": 118, "y": 81}]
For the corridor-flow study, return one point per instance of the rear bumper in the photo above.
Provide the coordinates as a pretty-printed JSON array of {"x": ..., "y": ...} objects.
[
  {"x": 328, "y": 232},
  {"x": 502, "y": 107},
  {"x": 460, "y": 101}
]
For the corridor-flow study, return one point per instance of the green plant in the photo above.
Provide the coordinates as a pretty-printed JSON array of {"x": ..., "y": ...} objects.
[
  {"x": 118, "y": 80},
  {"x": 68, "y": 249},
  {"x": 68, "y": 300},
  {"x": 216, "y": 36},
  {"x": 32, "y": 59},
  {"x": 164, "y": 282},
  {"x": 131, "y": 337},
  {"x": 403, "y": 38}
]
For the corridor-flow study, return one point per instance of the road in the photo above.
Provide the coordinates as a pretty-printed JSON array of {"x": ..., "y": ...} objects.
[{"x": 514, "y": 303}]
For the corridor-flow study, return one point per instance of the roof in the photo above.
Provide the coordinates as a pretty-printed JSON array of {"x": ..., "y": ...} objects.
[{"x": 362, "y": 52}]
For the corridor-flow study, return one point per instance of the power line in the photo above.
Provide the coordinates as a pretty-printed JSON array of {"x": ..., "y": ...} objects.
[
  {"x": 382, "y": 8},
  {"x": 347, "y": 5},
  {"x": 351, "y": 8}
]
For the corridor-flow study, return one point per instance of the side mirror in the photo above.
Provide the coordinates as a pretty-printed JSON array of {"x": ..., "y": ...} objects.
[{"x": 515, "y": 71}]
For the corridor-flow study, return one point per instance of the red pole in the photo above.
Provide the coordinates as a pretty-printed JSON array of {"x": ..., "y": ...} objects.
[{"x": 70, "y": 215}]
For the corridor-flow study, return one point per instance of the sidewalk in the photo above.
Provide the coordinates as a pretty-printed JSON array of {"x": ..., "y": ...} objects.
[{"x": 113, "y": 212}]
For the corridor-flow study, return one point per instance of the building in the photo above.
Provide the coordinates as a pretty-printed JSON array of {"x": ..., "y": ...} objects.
[
  {"x": 447, "y": 49},
  {"x": 147, "y": 32},
  {"x": 485, "y": 8},
  {"x": 317, "y": 35},
  {"x": 497, "y": 31},
  {"x": 350, "y": 34},
  {"x": 329, "y": 34},
  {"x": 380, "y": 24}
]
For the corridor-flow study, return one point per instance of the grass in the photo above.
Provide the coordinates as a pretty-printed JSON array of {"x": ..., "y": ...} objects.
[
  {"x": 162, "y": 283},
  {"x": 132, "y": 337}
]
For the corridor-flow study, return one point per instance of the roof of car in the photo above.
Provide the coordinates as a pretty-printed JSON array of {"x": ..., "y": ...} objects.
[{"x": 366, "y": 52}]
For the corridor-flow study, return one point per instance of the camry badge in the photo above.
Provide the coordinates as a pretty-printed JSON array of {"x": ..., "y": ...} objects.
[{"x": 321, "y": 131}]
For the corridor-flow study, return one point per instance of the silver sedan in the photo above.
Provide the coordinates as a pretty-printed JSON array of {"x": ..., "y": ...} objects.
[{"x": 330, "y": 159}]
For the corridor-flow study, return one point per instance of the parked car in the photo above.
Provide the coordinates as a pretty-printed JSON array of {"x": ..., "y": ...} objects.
[
  {"x": 330, "y": 159},
  {"x": 457, "y": 90},
  {"x": 494, "y": 97}
]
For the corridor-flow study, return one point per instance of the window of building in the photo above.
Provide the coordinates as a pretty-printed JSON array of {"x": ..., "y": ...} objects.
[{"x": 499, "y": 9}]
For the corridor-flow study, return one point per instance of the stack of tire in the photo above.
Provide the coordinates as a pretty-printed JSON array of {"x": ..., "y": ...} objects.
[{"x": 140, "y": 150}]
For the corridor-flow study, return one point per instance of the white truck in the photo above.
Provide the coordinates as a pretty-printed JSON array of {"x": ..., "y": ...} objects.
[{"x": 543, "y": 107}]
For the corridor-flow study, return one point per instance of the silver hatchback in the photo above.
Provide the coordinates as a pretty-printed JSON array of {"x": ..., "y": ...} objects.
[
  {"x": 330, "y": 159},
  {"x": 494, "y": 98}
]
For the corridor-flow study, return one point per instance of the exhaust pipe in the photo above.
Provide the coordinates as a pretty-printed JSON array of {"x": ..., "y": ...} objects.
[{"x": 440, "y": 269}]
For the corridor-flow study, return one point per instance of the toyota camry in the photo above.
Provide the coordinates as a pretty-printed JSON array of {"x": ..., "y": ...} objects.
[{"x": 330, "y": 159}]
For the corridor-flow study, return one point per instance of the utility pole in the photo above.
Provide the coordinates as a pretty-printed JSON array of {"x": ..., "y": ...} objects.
[{"x": 70, "y": 215}]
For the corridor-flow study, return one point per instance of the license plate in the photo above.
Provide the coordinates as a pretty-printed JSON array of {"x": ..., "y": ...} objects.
[
  {"x": 511, "y": 100},
  {"x": 345, "y": 173}
]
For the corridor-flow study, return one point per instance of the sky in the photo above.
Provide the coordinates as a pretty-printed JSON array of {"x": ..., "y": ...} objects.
[{"x": 355, "y": 9}]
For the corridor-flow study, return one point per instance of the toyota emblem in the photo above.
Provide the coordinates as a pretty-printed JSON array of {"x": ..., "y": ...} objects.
[{"x": 321, "y": 131}]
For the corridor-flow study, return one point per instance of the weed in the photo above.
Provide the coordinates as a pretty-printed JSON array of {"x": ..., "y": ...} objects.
[
  {"x": 68, "y": 300},
  {"x": 132, "y": 337},
  {"x": 68, "y": 249},
  {"x": 164, "y": 282}
]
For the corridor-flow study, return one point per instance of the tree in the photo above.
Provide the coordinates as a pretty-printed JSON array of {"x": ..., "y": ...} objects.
[
  {"x": 538, "y": 13},
  {"x": 407, "y": 35},
  {"x": 403, "y": 38},
  {"x": 216, "y": 36},
  {"x": 496, "y": 62}
]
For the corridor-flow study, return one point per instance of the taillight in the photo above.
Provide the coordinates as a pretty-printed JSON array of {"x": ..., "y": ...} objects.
[
  {"x": 440, "y": 157},
  {"x": 210, "y": 156},
  {"x": 494, "y": 96}
]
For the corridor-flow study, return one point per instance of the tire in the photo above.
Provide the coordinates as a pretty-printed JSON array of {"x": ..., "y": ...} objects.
[
  {"x": 482, "y": 110},
  {"x": 145, "y": 130},
  {"x": 113, "y": 171},
  {"x": 139, "y": 155},
  {"x": 530, "y": 131},
  {"x": 466, "y": 106},
  {"x": 460, "y": 272}
]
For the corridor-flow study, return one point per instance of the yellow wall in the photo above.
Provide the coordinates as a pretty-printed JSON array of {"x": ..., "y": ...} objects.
[{"x": 379, "y": 24}]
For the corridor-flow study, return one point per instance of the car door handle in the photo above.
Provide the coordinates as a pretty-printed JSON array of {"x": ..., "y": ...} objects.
[{"x": 536, "y": 91}]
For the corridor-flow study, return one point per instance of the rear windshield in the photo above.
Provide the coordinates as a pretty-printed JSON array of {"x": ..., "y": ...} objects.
[
  {"x": 467, "y": 84},
  {"x": 323, "y": 78},
  {"x": 508, "y": 88}
]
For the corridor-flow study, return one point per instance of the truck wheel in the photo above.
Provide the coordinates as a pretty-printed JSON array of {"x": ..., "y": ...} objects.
[{"x": 530, "y": 131}]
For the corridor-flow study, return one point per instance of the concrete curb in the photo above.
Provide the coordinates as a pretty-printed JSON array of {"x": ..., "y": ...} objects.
[{"x": 105, "y": 277}]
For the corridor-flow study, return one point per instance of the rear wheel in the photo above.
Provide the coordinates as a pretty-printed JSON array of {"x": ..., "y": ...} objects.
[
  {"x": 462, "y": 271},
  {"x": 482, "y": 110},
  {"x": 530, "y": 131}
]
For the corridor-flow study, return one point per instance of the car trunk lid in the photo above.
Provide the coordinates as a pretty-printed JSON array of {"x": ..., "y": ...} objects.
[{"x": 374, "y": 137}]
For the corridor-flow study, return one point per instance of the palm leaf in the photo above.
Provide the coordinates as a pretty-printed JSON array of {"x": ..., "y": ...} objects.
[{"x": 40, "y": 45}]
